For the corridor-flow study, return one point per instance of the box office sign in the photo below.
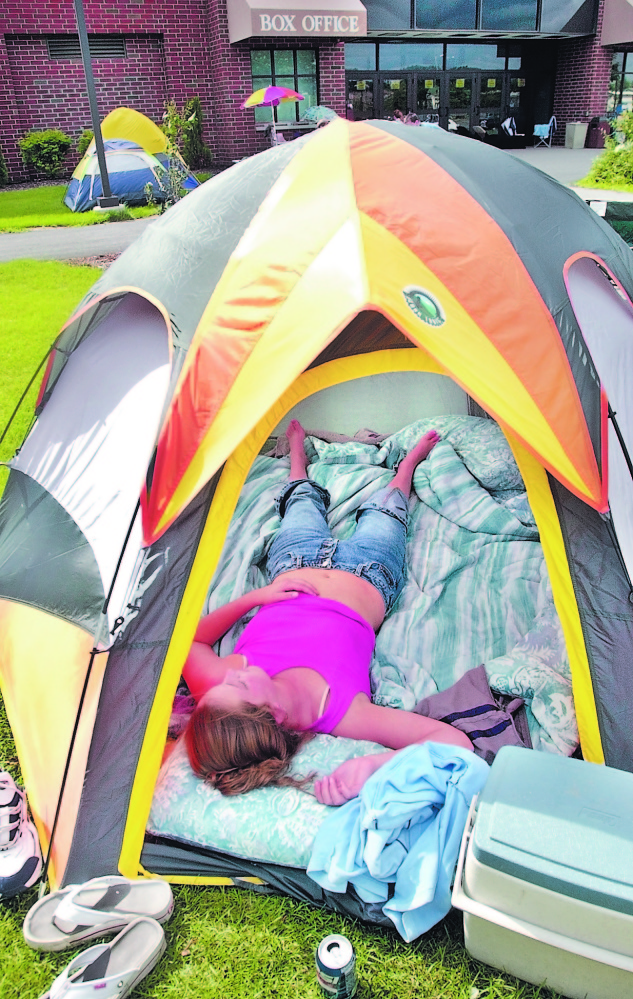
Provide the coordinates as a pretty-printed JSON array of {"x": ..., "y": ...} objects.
[{"x": 341, "y": 18}]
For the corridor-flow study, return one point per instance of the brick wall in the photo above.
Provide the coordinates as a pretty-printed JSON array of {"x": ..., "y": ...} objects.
[
  {"x": 234, "y": 132},
  {"x": 175, "y": 50},
  {"x": 582, "y": 80},
  {"x": 10, "y": 123},
  {"x": 52, "y": 93},
  {"x": 168, "y": 57}
]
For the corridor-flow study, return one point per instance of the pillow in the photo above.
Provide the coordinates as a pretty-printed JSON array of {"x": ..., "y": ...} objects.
[{"x": 276, "y": 825}]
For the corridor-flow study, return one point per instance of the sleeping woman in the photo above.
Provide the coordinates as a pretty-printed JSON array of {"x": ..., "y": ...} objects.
[{"x": 301, "y": 665}]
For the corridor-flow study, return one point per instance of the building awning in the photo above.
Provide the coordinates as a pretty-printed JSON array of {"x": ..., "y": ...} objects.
[
  {"x": 296, "y": 19},
  {"x": 617, "y": 23}
]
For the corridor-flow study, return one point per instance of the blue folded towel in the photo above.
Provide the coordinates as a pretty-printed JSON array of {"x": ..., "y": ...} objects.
[{"x": 402, "y": 832}]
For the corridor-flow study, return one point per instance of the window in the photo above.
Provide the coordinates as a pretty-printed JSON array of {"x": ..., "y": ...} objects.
[
  {"x": 411, "y": 55},
  {"x": 101, "y": 47},
  {"x": 455, "y": 14},
  {"x": 475, "y": 57},
  {"x": 569, "y": 15},
  {"x": 391, "y": 15},
  {"x": 621, "y": 83},
  {"x": 292, "y": 68},
  {"x": 360, "y": 55},
  {"x": 511, "y": 15}
]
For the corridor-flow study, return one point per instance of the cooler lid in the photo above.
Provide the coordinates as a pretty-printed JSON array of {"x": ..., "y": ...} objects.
[{"x": 563, "y": 824}]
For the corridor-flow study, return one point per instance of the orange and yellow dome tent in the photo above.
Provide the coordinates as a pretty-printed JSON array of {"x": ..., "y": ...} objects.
[{"x": 364, "y": 248}]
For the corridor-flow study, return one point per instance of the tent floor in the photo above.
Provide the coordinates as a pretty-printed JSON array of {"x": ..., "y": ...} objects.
[{"x": 171, "y": 859}]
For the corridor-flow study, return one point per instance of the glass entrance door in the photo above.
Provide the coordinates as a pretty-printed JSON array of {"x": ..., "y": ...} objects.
[
  {"x": 360, "y": 96},
  {"x": 455, "y": 99},
  {"x": 395, "y": 95},
  {"x": 459, "y": 111},
  {"x": 428, "y": 94},
  {"x": 490, "y": 104}
]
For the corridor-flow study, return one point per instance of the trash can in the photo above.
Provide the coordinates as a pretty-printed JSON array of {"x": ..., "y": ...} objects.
[
  {"x": 599, "y": 128},
  {"x": 575, "y": 134}
]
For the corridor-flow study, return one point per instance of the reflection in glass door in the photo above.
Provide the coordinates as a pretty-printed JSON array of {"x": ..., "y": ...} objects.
[
  {"x": 490, "y": 100},
  {"x": 428, "y": 98},
  {"x": 394, "y": 96},
  {"x": 360, "y": 94},
  {"x": 460, "y": 101},
  {"x": 516, "y": 95}
]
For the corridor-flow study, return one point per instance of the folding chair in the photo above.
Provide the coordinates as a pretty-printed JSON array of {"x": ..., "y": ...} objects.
[{"x": 544, "y": 133}]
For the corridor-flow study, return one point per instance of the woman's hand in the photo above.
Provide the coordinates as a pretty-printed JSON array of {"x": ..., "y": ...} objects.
[
  {"x": 347, "y": 780},
  {"x": 285, "y": 589}
]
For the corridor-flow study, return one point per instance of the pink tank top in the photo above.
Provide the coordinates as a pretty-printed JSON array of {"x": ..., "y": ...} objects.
[{"x": 322, "y": 634}]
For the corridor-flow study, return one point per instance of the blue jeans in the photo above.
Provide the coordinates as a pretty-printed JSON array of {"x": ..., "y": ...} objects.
[{"x": 375, "y": 552}]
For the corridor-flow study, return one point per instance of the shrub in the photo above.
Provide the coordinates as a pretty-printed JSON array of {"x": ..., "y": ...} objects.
[
  {"x": 195, "y": 153},
  {"x": 45, "y": 152},
  {"x": 184, "y": 131},
  {"x": 614, "y": 167},
  {"x": 173, "y": 124},
  {"x": 4, "y": 173},
  {"x": 84, "y": 141}
]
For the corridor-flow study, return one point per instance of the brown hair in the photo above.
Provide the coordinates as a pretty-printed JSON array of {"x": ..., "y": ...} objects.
[{"x": 242, "y": 749}]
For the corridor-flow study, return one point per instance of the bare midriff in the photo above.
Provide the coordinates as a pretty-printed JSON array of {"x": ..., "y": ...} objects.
[{"x": 348, "y": 589}]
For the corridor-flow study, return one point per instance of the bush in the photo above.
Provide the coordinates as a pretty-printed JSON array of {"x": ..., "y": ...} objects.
[
  {"x": 184, "y": 131},
  {"x": 4, "y": 173},
  {"x": 84, "y": 141},
  {"x": 45, "y": 152},
  {"x": 614, "y": 167},
  {"x": 195, "y": 153}
]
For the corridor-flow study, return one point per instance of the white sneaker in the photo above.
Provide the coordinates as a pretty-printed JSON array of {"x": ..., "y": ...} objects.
[{"x": 20, "y": 855}]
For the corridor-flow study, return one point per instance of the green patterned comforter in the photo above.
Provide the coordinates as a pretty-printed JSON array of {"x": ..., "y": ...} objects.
[{"x": 477, "y": 591}]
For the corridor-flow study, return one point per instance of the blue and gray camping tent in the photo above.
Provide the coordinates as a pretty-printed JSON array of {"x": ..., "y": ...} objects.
[{"x": 137, "y": 154}]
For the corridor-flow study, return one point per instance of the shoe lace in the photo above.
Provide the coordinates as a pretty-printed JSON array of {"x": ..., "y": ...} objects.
[{"x": 12, "y": 812}]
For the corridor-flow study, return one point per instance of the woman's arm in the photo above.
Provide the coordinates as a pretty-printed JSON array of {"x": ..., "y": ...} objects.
[
  {"x": 218, "y": 622},
  {"x": 203, "y": 668},
  {"x": 388, "y": 726},
  {"x": 394, "y": 727}
]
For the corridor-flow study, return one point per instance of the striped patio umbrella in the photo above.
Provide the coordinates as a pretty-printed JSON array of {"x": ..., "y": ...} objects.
[{"x": 271, "y": 97}]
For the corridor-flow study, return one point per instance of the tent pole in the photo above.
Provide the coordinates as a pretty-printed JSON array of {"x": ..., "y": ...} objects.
[
  {"x": 25, "y": 393},
  {"x": 103, "y": 628},
  {"x": 627, "y": 456}
]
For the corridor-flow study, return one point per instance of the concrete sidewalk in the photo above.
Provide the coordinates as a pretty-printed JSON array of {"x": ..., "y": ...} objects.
[
  {"x": 569, "y": 166},
  {"x": 71, "y": 242}
]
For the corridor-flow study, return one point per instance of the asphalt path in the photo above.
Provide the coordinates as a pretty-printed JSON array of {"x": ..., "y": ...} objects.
[{"x": 71, "y": 242}]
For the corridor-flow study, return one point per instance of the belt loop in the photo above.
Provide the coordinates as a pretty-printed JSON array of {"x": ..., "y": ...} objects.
[{"x": 326, "y": 553}]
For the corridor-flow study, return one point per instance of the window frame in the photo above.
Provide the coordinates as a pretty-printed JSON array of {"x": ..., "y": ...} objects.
[{"x": 297, "y": 77}]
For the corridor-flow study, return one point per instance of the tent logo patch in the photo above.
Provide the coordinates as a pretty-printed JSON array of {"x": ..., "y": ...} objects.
[{"x": 422, "y": 303}]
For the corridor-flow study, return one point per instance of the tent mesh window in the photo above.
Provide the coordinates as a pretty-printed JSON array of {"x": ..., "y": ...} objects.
[{"x": 101, "y": 47}]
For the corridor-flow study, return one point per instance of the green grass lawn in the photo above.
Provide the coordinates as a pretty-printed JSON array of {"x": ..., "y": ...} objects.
[
  {"x": 603, "y": 185},
  {"x": 44, "y": 206},
  {"x": 223, "y": 943}
]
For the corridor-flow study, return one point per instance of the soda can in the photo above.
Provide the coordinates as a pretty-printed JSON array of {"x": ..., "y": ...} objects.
[{"x": 336, "y": 967}]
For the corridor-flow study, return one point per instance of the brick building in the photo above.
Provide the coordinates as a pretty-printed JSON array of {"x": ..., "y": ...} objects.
[{"x": 459, "y": 63}]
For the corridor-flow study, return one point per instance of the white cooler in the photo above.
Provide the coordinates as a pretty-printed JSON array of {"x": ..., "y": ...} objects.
[{"x": 545, "y": 874}]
